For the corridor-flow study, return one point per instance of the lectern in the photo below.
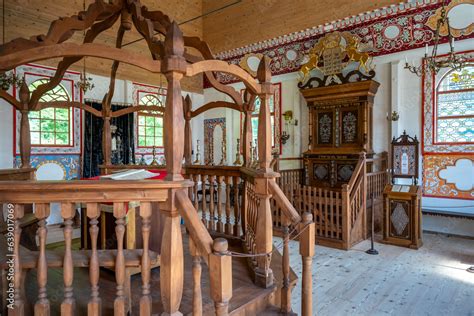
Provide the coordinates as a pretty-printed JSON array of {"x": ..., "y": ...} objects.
[{"x": 402, "y": 216}]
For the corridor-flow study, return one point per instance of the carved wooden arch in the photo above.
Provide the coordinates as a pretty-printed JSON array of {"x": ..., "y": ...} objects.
[{"x": 215, "y": 105}]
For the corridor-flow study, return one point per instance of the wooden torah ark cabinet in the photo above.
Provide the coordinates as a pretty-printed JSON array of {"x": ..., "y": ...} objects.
[
  {"x": 340, "y": 129},
  {"x": 402, "y": 216}
]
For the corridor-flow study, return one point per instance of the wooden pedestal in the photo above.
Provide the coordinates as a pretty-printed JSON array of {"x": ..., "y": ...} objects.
[{"x": 402, "y": 216}]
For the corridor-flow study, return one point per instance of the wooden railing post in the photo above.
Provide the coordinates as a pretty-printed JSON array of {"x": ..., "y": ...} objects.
[
  {"x": 171, "y": 258},
  {"x": 145, "y": 300},
  {"x": 364, "y": 197},
  {"x": 18, "y": 305},
  {"x": 68, "y": 305},
  {"x": 220, "y": 273},
  {"x": 197, "y": 292},
  {"x": 42, "y": 304},
  {"x": 307, "y": 245},
  {"x": 173, "y": 66},
  {"x": 346, "y": 216},
  {"x": 264, "y": 233}
]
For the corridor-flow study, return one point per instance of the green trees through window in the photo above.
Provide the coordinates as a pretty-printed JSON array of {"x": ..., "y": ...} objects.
[
  {"x": 150, "y": 123},
  {"x": 51, "y": 126}
]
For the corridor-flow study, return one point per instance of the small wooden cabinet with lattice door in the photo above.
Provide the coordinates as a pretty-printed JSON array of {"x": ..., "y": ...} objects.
[{"x": 402, "y": 216}]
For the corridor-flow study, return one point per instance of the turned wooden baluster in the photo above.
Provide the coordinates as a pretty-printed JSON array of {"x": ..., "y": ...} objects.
[
  {"x": 286, "y": 290},
  {"x": 68, "y": 305},
  {"x": 307, "y": 252},
  {"x": 228, "y": 225},
  {"x": 220, "y": 273},
  {"x": 94, "y": 304},
  {"x": 145, "y": 301},
  {"x": 196, "y": 199},
  {"x": 220, "y": 224},
  {"x": 204, "y": 207},
  {"x": 212, "y": 221},
  {"x": 237, "y": 227},
  {"x": 197, "y": 292},
  {"x": 120, "y": 302},
  {"x": 18, "y": 305},
  {"x": 42, "y": 304}
]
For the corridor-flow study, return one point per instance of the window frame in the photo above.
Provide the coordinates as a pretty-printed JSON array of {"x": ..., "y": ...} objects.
[
  {"x": 70, "y": 119},
  {"x": 141, "y": 94},
  {"x": 436, "y": 117}
]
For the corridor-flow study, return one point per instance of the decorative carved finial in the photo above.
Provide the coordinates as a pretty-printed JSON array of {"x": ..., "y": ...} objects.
[
  {"x": 174, "y": 43},
  {"x": 220, "y": 245}
]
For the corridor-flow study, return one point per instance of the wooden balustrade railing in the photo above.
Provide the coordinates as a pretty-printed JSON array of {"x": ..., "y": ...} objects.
[
  {"x": 118, "y": 193},
  {"x": 217, "y": 194},
  {"x": 338, "y": 214}
]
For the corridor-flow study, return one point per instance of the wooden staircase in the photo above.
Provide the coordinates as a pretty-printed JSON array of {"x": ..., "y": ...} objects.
[{"x": 247, "y": 298}]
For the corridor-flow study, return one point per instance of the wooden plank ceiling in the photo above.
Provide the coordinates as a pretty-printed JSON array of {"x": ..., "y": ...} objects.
[
  {"x": 246, "y": 22},
  {"x": 251, "y": 21},
  {"x": 25, "y": 18}
]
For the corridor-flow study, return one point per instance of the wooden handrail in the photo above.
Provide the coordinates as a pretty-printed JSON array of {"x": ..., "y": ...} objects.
[
  {"x": 356, "y": 173},
  {"x": 290, "y": 212},
  {"x": 196, "y": 228},
  {"x": 87, "y": 190}
]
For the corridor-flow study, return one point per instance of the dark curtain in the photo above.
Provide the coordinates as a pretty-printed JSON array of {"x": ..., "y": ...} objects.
[{"x": 93, "y": 140}]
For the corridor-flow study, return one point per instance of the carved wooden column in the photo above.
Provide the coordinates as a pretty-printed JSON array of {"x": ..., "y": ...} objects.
[
  {"x": 25, "y": 135},
  {"x": 264, "y": 123},
  {"x": 107, "y": 141},
  {"x": 264, "y": 238},
  {"x": 247, "y": 137},
  {"x": 263, "y": 273},
  {"x": 188, "y": 137},
  {"x": 172, "y": 262}
]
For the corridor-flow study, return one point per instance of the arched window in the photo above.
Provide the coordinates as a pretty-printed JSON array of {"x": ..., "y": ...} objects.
[
  {"x": 51, "y": 126},
  {"x": 150, "y": 123},
  {"x": 454, "y": 115}
]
